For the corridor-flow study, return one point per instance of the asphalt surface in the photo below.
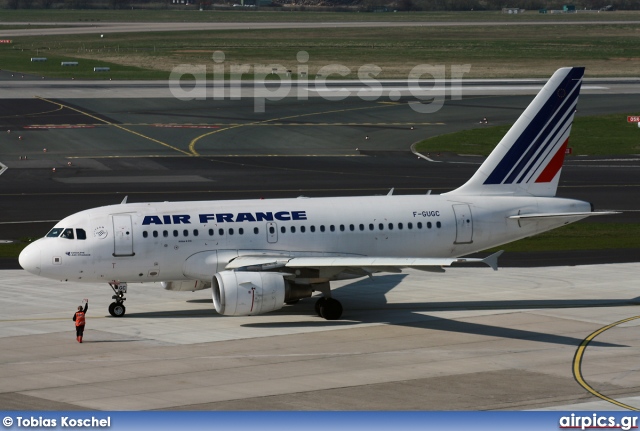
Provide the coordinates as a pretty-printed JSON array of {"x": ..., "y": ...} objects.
[{"x": 137, "y": 27}]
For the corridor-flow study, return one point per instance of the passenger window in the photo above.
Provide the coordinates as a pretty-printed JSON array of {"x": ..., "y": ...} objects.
[
  {"x": 352, "y": 227},
  {"x": 400, "y": 226},
  {"x": 195, "y": 232},
  {"x": 283, "y": 229},
  {"x": 390, "y": 226},
  {"x": 293, "y": 229},
  {"x": 185, "y": 233},
  {"x": 55, "y": 232},
  {"x": 175, "y": 233},
  {"x": 240, "y": 231},
  {"x": 341, "y": 228},
  {"x": 81, "y": 234},
  {"x": 321, "y": 228},
  {"x": 410, "y": 225},
  {"x": 381, "y": 226},
  {"x": 361, "y": 226},
  {"x": 370, "y": 226},
  {"x": 303, "y": 229},
  {"x": 438, "y": 225},
  {"x": 155, "y": 233},
  {"x": 230, "y": 231},
  {"x": 332, "y": 228},
  {"x": 419, "y": 225},
  {"x": 313, "y": 228},
  {"x": 221, "y": 232},
  {"x": 256, "y": 230},
  {"x": 272, "y": 230},
  {"x": 210, "y": 232},
  {"x": 428, "y": 225},
  {"x": 67, "y": 233},
  {"x": 165, "y": 233},
  {"x": 145, "y": 234}
]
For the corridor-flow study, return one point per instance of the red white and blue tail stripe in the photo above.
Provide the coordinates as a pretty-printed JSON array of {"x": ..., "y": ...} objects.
[{"x": 529, "y": 158}]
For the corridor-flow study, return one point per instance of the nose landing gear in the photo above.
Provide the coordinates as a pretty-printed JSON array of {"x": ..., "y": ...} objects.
[{"x": 117, "y": 308}]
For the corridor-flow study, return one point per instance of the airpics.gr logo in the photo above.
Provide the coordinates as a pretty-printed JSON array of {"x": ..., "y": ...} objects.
[{"x": 100, "y": 232}]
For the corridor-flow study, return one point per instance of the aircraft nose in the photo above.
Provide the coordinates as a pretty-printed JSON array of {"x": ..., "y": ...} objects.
[{"x": 30, "y": 258}]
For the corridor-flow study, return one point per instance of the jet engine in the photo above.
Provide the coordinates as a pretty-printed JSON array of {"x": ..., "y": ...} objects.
[{"x": 244, "y": 293}]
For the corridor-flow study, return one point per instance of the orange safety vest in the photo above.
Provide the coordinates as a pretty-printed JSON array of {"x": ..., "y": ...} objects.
[{"x": 79, "y": 318}]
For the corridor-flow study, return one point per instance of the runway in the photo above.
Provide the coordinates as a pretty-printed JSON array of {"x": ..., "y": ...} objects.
[
  {"x": 138, "y": 27},
  {"x": 470, "y": 339}
]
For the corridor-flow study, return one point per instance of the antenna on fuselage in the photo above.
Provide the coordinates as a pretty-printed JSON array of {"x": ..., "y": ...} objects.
[
  {"x": 124, "y": 201},
  {"x": 391, "y": 192}
]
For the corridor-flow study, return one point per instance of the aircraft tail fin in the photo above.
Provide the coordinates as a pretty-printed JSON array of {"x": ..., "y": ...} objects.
[{"x": 529, "y": 158}]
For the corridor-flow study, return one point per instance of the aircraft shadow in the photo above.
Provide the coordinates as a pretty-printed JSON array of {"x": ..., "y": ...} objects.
[{"x": 406, "y": 314}]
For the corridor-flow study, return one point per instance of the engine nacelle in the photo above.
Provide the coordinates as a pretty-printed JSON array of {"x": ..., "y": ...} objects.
[{"x": 244, "y": 293}]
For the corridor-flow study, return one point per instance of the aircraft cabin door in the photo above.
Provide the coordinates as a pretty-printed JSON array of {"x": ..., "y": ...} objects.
[
  {"x": 122, "y": 235},
  {"x": 272, "y": 232},
  {"x": 464, "y": 224}
]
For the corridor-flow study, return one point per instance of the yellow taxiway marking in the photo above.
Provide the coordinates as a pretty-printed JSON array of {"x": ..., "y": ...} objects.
[
  {"x": 577, "y": 364},
  {"x": 192, "y": 144},
  {"x": 116, "y": 125},
  {"x": 34, "y": 113}
]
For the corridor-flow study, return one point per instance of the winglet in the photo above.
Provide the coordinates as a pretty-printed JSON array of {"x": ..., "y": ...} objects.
[{"x": 492, "y": 260}]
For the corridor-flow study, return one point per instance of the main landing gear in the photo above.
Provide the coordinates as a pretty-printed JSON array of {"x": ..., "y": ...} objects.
[
  {"x": 326, "y": 306},
  {"x": 117, "y": 308}
]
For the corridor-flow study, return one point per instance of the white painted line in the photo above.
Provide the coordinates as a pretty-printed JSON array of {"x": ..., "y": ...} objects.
[{"x": 2, "y": 168}]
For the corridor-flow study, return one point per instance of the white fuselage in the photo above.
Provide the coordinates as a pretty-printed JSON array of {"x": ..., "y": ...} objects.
[{"x": 152, "y": 241}]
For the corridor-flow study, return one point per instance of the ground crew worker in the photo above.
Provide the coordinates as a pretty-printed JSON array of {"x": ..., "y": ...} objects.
[{"x": 79, "y": 318}]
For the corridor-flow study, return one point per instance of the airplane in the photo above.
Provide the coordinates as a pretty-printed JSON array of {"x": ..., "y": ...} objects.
[{"x": 258, "y": 255}]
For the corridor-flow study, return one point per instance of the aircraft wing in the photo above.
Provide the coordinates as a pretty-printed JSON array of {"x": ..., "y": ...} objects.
[{"x": 381, "y": 263}]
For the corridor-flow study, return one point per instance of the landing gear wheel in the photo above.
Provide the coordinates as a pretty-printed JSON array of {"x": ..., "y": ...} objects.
[
  {"x": 117, "y": 309},
  {"x": 319, "y": 304},
  {"x": 331, "y": 309}
]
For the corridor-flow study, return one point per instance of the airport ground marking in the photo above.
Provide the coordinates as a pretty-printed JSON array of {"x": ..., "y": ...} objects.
[
  {"x": 192, "y": 144},
  {"x": 116, "y": 125},
  {"x": 577, "y": 364},
  {"x": 60, "y": 108}
]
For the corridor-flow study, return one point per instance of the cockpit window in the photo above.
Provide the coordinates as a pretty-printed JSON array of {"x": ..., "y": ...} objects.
[
  {"x": 55, "y": 232},
  {"x": 81, "y": 234},
  {"x": 67, "y": 233}
]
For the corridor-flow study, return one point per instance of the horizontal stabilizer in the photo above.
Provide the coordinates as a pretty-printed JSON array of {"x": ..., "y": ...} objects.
[{"x": 562, "y": 215}]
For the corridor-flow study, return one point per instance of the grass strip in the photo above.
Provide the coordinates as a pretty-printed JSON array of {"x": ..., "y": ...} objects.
[
  {"x": 580, "y": 236},
  {"x": 595, "y": 135},
  {"x": 492, "y": 51}
]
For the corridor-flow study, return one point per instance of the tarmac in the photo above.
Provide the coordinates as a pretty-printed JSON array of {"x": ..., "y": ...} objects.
[{"x": 469, "y": 339}]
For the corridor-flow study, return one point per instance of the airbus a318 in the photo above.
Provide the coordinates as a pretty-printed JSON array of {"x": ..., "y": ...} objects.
[{"x": 257, "y": 255}]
